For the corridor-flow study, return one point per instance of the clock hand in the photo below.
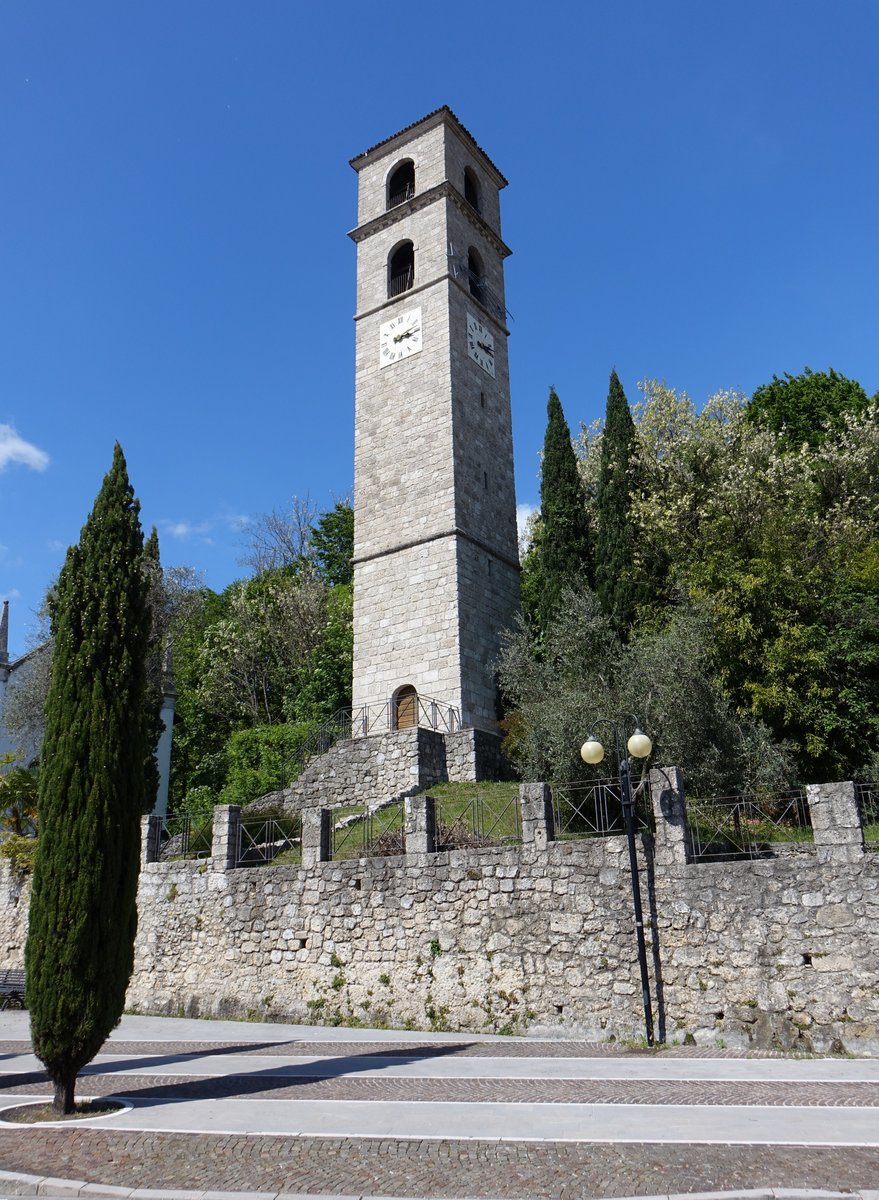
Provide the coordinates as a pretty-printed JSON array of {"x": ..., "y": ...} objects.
[{"x": 487, "y": 349}]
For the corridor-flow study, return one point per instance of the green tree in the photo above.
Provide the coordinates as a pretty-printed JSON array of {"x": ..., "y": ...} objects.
[
  {"x": 564, "y": 544},
  {"x": 805, "y": 409},
  {"x": 332, "y": 543},
  {"x": 619, "y": 581},
  {"x": 665, "y": 676},
  {"x": 80, "y": 945}
]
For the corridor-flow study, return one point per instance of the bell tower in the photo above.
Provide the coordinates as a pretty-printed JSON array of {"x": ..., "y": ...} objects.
[{"x": 436, "y": 568}]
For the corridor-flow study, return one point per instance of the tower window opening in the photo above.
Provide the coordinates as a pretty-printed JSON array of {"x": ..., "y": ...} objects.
[
  {"x": 471, "y": 189},
  {"x": 482, "y": 399},
  {"x": 401, "y": 183},
  {"x": 476, "y": 274},
  {"x": 401, "y": 270},
  {"x": 485, "y": 480}
]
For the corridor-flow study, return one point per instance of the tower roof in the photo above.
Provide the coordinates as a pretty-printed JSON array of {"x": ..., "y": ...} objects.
[{"x": 436, "y": 117}]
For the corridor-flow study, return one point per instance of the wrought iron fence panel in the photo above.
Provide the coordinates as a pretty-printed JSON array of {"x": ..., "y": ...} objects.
[
  {"x": 731, "y": 827},
  {"x": 361, "y": 722},
  {"x": 594, "y": 808},
  {"x": 262, "y": 842},
  {"x": 484, "y": 821},
  {"x": 868, "y": 806},
  {"x": 364, "y": 834},
  {"x": 184, "y": 838}
]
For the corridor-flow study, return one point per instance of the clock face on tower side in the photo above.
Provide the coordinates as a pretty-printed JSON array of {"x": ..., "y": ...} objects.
[
  {"x": 400, "y": 337},
  {"x": 480, "y": 344}
]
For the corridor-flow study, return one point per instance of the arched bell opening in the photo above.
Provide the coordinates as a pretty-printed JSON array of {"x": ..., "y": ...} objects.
[
  {"x": 401, "y": 269},
  {"x": 401, "y": 183}
]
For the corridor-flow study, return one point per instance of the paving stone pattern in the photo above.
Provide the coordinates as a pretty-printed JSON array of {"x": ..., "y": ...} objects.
[
  {"x": 390, "y": 1167},
  {"x": 505, "y": 1091}
]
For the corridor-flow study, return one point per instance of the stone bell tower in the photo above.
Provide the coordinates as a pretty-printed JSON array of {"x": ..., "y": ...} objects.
[{"x": 436, "y": 569}]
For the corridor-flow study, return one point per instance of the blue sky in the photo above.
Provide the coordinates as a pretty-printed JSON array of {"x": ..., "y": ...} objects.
[{"x": 693, "y": 197}]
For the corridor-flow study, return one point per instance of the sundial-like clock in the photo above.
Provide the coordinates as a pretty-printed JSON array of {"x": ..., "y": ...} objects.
[
  {"x": 400, "y": 337},
  {"x": 480, "y": 344}
]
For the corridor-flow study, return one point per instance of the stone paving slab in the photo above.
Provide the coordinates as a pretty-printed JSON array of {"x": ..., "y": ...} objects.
[
  {"x": 287, "y": 1086},
  {"x": 439, "y": 1169}
]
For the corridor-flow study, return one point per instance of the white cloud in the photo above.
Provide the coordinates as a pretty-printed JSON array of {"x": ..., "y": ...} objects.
[
  {"x": 185, "y": 529},
  {"x": 14, "y": 449},
  {"x": 523, "y": 515}
]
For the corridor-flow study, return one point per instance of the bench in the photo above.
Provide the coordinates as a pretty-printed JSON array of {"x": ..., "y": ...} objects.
[{"x": 11, "y": 988}]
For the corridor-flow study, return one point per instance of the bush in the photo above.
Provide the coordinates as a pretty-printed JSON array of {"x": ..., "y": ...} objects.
[{"x": 259, "y": 761}]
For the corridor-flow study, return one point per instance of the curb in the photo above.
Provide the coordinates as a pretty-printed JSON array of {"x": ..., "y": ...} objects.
[{"x": 18, "y": 1184}]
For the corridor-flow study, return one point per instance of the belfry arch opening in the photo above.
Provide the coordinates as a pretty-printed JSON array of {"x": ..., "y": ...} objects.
[
  {"x": 401, "y": 183},
  {"x": 472, "y": 190},
  {"x": 476, "y": 273},
  {"x": 401, "y": 269},
  {"x": 405, "y": 707}
]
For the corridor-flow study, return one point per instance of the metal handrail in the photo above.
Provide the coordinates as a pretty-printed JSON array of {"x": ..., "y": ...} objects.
[
  {"x": 401, "y": 197},
  {"x": 365, "y": 721},
  {"x": 400, "y": 283}
]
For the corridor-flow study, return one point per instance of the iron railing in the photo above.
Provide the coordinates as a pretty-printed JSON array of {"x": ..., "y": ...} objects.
[
  {"x": 482, "y": 821},
  {"x": 182, "y": 837},
  {"x": 401, "y": 197},
  {"x": 459, "y": 268},
  {"x": 723, "y": 828},
  {"x": 361, "y": 833},
  {"x": 594, "y": 808},
  {"x": 398, "y": 284},
  {"x": 868, "y": 807},
  {"x": 262, "y": 842},
  {"x": 368, "y": 719}
]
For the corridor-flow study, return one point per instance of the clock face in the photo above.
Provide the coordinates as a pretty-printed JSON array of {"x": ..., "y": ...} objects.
[
  {"x": 400, "y": 337},
  {"x": 480, "y": 344}
]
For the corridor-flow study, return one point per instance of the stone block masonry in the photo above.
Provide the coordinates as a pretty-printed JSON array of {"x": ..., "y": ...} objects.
[{"x": 776, "y": 952}]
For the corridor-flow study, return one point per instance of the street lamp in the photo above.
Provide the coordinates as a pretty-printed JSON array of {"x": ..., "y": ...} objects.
[{"x": 638, "y": 745}]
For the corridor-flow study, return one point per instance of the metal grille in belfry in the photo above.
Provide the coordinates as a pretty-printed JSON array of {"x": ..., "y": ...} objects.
[
  {"x": 594, "y": 808},
  {"x": 359, "y": 833},
  {"x": 731, "y": 827},
  {"x": 482, "y": 821},
  {"x": 263, "y": 841}
]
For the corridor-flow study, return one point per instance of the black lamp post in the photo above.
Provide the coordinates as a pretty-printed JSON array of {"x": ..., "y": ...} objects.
[{"x": 638, "y": 745}]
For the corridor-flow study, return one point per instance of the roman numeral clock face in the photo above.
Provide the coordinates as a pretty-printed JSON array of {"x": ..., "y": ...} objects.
[
  {"x": 400, "y": 337},
  {"x": 480, "y": 344}
]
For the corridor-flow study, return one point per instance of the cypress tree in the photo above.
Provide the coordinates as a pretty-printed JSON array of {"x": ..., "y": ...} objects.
[
  {"x": 565, "y": 543},
  {"x": 152, "y": 709},
  {"x": 618, "y": 581},
  {"x": 83, "y": 915}
]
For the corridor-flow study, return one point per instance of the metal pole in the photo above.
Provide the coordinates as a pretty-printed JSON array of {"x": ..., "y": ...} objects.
[{"x": 628, "y": 809}]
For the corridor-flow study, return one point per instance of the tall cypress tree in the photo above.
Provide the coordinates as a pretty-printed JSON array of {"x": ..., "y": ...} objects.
[
  {"x": 565, "y": 543},
  {"x": 618, "y": 580},
  {"x": 152, "y": 709},
  {"x": 83, "y": 916}
]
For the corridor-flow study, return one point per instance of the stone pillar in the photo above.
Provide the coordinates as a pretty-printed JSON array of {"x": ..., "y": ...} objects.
[
  {"x": 224, "y": 843},
  {"x": 150, "y": 839},
  {"x": 670, "y": 815},
  {"x": 538, "y": 826},
  {"x": 315, "y": 836},
  {"x": 836, "y": 822},
  {"x": 420, "y": 824}
]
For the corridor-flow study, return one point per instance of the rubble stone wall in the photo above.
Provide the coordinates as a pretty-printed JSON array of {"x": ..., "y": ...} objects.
[{"x": 776, "y": 952}]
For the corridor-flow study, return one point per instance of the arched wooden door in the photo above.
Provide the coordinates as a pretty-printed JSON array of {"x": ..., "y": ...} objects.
[{"x": 406, "y": 707}]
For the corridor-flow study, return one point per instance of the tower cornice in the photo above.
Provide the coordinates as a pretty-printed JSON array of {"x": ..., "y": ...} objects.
[
  {"x": 441, "y": 191},
  {"x": 440, "y": 116}
]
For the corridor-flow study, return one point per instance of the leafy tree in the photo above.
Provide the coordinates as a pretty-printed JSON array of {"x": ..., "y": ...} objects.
[
  {"x": 805, "y": 409},
  {"x": 665, "y": 676},
  {"x": 332, "y": 543},
  {"x": 18, "y": 798},
  {"x": 80, "y": 945},
  {"x": 564, "y": 547},
  {"x": 619, "y": 583}
]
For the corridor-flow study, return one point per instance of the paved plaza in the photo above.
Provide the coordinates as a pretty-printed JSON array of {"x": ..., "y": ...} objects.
[{"x": 236, "y": 1107}]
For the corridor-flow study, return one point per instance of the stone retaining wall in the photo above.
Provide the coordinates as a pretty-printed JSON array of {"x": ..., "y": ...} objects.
[{"x": 774, "y": 952}]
